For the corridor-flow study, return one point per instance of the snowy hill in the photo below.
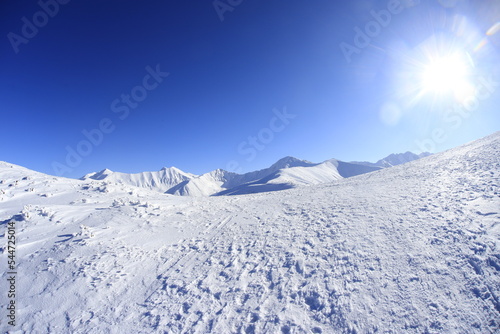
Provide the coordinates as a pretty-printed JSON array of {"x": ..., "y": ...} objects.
[
  {"x": 394, "y": 159},
  {"x": 409, "y": 249}
]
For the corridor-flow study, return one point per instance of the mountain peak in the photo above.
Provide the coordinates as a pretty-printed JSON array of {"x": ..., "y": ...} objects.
[
  {"x": 397, "y": 159},
  {"x": 171, "y": 169},
  {"x": 290, "y": 161},
  {"x": 98, "y": 175},
  {"x": 394, "y": 159}
]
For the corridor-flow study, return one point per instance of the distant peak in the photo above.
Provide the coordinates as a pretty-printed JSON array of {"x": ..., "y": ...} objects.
[
  {"x": 290, "y": 161},
  {"x": 398, "y": 159},
  {"x": 99, "y": 175},
  {"x": 289, "y": 158},
  {"x": 218, "y": 171},
  {"x": 103, "y": 172},
  {"x": 172, "y": 170}
]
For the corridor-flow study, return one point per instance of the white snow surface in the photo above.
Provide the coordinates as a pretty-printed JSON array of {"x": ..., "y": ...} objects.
[{"x": 409, "y": 249}]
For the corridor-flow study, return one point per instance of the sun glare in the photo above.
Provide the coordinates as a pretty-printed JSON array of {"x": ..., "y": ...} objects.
[{"x": 448, "y": 74}]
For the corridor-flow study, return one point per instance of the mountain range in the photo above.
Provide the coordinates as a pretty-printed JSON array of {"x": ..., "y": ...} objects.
[{"x": 288, "y": 172}]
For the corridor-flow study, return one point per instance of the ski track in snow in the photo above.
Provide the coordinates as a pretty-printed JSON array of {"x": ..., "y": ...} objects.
[{"x": 410, "y": 249}]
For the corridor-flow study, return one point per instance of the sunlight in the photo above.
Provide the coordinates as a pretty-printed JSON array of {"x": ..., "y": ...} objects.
[{"x": 446, "y": 74}]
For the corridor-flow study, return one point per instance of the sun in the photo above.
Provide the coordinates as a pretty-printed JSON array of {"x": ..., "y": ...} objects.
[{"x": 447, "y": 75}]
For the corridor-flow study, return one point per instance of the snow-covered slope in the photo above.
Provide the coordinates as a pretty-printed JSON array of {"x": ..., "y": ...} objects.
[
  {"x": 162, "y": 180},
  {"x": 409, "y": 249}
]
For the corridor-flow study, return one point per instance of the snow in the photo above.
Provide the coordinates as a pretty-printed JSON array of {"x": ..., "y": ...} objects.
[
  {"x": 288, "y": 172},
  {"x": 413, "y": 248},
  {"x": 162, "y": 180},
  {"x": 394, "y": 159}
]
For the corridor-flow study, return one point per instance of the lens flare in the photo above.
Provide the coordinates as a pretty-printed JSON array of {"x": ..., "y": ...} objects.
[{"x": 446, "y": 74}]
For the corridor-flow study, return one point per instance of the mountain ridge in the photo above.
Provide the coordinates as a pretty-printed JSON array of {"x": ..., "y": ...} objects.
[
  {"x": 394, "y": 159},
  {"x": 287, "y": 172}
]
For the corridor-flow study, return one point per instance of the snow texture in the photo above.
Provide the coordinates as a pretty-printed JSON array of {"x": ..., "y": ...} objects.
[{"x": 408, "y": 249}]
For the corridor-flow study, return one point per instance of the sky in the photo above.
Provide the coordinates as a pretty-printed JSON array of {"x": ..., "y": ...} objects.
[{"x": 237, "y": 84}]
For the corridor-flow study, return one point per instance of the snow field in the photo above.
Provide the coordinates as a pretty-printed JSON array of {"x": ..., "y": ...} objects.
[{"x": 410, "y": 249}]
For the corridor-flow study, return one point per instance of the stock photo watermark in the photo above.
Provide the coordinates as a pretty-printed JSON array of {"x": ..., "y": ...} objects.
[
  {"x": 373, "y": 28},
  {"x": 11, "y": 272},
  {"x": 455, "y": 115},
  {"x": 254, "y": 144},
  {"x": 121, "y": 106},
  {"x": 223, "y": 6},
  {"x": 30, "y": 27}
]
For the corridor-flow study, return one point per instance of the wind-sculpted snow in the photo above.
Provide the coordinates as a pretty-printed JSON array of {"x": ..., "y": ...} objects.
[{"x": 409, "y": 249}]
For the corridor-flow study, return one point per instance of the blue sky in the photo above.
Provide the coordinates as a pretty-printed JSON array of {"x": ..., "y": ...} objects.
[{"x": 231, "y": 83}]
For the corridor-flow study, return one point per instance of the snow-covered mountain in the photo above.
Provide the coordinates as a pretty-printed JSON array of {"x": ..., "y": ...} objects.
[
  {"x": 400, "y": 158},
  {"x": 408, "y": 249},
  {"x": 291, "y": 177},
  {"x": 162, "y": 180},
  {"x": 218, "y": 181},
  {"x": 394, "y": 159},
  {"x": 286, "y": 173}
]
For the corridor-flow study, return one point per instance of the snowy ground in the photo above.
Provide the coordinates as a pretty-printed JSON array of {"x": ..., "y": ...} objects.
[{"x": 409, "y": 249}]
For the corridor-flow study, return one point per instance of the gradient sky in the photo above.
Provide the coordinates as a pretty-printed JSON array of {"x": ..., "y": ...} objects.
[{"x": 228, "y": 79}]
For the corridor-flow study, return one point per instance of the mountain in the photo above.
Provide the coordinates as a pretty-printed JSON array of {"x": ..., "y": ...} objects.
[
  {"x": 176, "y": 182},
  {"x": 400, "y": 158},
  {"x": 220, "y": 181},
  {"x": 162, "y": 180},
  {"x": 394, "y": 159},
  {"x": 407, "y": 249},
  {"x": 206, "y": 184},
  {"x": 291, "y": 177},
  {"x": 286, "y": 173}
]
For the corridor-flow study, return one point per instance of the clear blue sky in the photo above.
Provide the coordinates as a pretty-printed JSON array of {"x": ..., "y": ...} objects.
[{"x": 354, "y": 96}]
